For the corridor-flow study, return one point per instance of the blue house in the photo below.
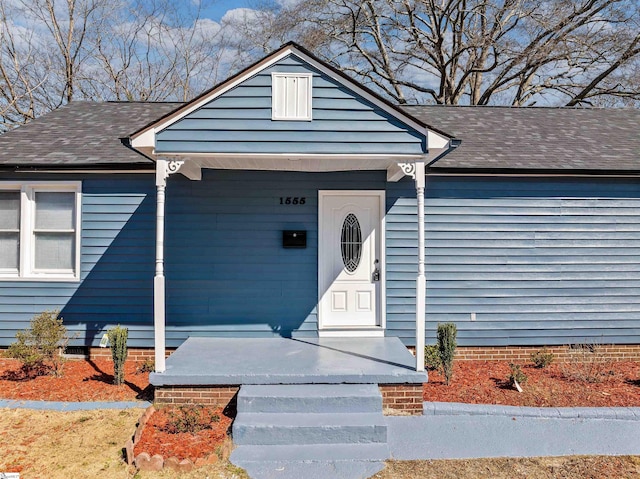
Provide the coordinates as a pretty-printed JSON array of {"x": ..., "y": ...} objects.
[{"x": 290, "y": 201}]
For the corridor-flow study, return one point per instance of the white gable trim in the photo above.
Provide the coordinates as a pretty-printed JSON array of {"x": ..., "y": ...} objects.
[{"x": 145, "y": 139}]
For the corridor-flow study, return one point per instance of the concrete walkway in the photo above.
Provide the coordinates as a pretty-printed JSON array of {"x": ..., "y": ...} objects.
[{"x": 71, "y": 406}]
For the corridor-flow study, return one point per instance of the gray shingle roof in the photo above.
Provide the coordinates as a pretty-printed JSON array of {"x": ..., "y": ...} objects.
[
  {"x": 565, "y": 139},
  {"x": 82, "y": 134},
  {"x": 86, "y": 134}
]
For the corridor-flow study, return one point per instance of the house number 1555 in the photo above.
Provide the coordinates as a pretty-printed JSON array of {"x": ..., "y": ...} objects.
[{"x": 293, "y": 200}]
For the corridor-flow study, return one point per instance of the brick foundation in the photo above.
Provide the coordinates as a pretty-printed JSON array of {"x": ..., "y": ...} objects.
[
  {"x": 224, "y": 396},
  {"x": 402, "y": 398},
  {"x": 134, "y": 354},
  {"x": 614, "y": 352}
]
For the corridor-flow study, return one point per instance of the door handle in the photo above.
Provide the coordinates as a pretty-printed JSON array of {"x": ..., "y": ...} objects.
[{"x": 375, "y": 276}]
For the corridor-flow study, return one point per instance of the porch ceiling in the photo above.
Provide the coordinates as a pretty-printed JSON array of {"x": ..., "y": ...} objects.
[{"x": 293, "y": 162}]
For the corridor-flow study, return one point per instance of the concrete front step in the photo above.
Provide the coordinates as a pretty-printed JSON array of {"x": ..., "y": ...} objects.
[
  {"x": 312, "y": 470},
  {"x": 311, "y": 453},
  {"x": 311, "y": 398},
  {"x": 301, "y": 429}
]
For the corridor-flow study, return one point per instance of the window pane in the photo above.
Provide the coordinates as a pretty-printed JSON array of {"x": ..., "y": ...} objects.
[
  {"x": 9, "y": 250},
  {"x": 9, "y": 210},
  {"x": 54, "y": 251},
  {"x": 55, "y": 210}
]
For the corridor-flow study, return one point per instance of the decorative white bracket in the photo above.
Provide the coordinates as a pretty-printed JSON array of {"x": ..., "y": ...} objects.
[
  {"x": 409, "y": 169},
  {"x": 164, "y": 168}
]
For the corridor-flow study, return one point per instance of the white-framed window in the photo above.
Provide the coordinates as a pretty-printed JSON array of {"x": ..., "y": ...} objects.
[
  {"x": 40, "y": 230},
  {"x": 291, "y": 95}
]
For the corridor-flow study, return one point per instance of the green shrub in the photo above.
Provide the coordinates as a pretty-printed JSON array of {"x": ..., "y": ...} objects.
[
  {"x": 40, "y": 347},
  {"x": 516, "y": 375},
  {"x": 432, "y": 357},
  {"x": 447, "y": 333},
  {"x": 118, "y": 343},
  {"x": 542, "y": 358},
  {"x": 190, "y": 418},
  {"x": 147, "y": 366}
]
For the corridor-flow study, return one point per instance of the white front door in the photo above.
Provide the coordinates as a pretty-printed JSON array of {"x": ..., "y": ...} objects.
[{"x": 349, "y": 260}]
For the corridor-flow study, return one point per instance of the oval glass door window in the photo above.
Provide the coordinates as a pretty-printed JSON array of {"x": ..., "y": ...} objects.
[{"x": 351, "y": 243}]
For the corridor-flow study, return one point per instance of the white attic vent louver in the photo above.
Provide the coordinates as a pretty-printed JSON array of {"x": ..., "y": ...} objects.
[{"x": 291, "y": 96}]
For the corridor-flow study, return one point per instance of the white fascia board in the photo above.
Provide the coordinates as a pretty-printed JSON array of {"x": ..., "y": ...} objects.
[
  {"x": 144, "y": 140},
  {"x": 319, "y": 156},
  {"x": 436, "y": 141}
]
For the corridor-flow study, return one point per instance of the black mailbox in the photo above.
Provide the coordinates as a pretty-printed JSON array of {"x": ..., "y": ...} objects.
[{"x": 294, "y": 239}]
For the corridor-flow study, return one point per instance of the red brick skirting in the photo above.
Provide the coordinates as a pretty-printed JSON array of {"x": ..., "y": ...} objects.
[
  {"x": 133, "y": 354},
  {"x": 616, "y": 352},
  {"x": 402, "y": 398},
  {"x": 223, "y": 396}
]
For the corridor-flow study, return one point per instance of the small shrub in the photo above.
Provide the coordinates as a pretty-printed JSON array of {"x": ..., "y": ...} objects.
[
  {"x": 432, "y": 357},
  {"x": 516, "y": 375},
  {"x": 147, "y": 366},
  {"x": 118, "y": 343},
  {"x": 39, "y": 348},
  {"x": 542, "y": 358},
  {"x": 447, "y": 333},
  {"x": 586, "y": 363},
  {"x": 190, "y": 418}
]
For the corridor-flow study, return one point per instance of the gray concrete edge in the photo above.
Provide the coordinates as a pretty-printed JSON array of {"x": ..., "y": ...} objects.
[
  {"x": 71, "y": 406},
  {"x": 464, "y": 409},
  {"x": 169, "y": 379}
]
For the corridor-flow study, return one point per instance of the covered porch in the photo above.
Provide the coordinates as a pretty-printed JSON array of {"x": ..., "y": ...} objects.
[
  {"x": 212, "y": 371},
  {"x": 289, "y": 113}
]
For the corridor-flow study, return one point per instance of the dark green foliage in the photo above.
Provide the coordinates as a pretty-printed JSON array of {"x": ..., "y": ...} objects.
[
  {"x": 432, "y": 357},
  {"x": 118, "y": 343},
  {"x": 40, "y": 347},
  {"x": 190, "y": 418},
  {"x": 516, "y": 375},
  {"x": 447, "y": 334},
  {"x": 542, "y": 358}
]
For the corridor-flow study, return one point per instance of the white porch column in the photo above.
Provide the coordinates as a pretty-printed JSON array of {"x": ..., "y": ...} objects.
[
  {"x": 164, "y": 168},
  {"x": 421, "y": 280},
  {"x": 417, "y": 172},
  {"x": 158, "y": 280}
]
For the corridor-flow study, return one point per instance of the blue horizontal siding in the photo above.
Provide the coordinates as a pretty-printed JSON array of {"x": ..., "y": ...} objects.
[
  {"x": 227, "y": 272},
  {"x": 540, "y": 261},
  {"x": 117, "y": 264},
  {"x": 239, "y": 121}
]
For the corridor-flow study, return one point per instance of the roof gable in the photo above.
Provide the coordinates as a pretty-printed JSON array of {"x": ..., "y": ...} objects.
[{"x": 236, "y": 117}]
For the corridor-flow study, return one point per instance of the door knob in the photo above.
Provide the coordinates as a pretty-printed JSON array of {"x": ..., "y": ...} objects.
[{"x": 375, "y": 276}]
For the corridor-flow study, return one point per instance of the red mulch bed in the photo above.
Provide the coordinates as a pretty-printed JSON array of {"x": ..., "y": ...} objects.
[
  {"x": 486, "y": 382},
  {"x": 183, "y": 445},
  {"x": 81, "y": 381}
]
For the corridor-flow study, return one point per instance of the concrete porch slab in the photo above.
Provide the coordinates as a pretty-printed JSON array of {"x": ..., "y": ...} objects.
[{"x": 217, "y": 361}]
